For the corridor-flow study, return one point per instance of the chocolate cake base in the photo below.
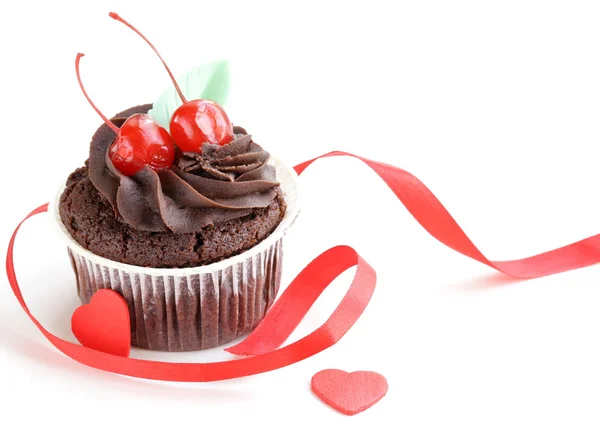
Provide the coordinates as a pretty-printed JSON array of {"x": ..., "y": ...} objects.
[
  {"x": 175, "y": 312},
  {"x": 91, "y": 221}
]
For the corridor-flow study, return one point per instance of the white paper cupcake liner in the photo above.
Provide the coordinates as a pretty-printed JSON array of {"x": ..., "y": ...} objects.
[{"x": 185, "y": 309}]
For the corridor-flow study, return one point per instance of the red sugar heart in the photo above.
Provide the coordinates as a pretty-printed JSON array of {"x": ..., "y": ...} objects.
[
  {"x": 103, "y": 324},
  {"x": 349, "y": 393}
]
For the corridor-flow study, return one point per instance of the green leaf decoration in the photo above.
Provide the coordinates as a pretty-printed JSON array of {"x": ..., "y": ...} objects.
[{"x": 208, "y": 81}]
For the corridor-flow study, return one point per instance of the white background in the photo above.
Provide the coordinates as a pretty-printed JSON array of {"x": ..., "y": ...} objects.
[{"x": 494, "y": 105}]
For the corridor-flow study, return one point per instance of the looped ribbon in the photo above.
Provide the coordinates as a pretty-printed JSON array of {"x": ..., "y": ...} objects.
[{"x": 262, "y": 346}]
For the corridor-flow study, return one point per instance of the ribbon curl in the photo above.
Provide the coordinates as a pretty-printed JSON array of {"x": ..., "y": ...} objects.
[
  {"x": 262, "y": 344},
  {"x": 431, "y": 214}
]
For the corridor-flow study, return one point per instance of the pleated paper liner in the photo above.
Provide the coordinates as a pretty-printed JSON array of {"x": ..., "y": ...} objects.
[{"x": 191, "y": 308}]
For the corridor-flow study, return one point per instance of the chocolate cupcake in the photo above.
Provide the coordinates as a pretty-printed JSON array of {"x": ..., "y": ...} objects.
[
  {"x": 207, "y": 207},
  {"x": 186, "y": 224},
  {"x": 196, "y": 250}
]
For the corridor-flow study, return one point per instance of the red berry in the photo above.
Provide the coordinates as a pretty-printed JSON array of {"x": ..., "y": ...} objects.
[
  {"x": 197, "y": 121},
  {"x": 162, "y": 155},
  {"x": 126, "y": 157},
  {"x": 200, "y": 121},
  {"x": 140, "y": 140}
]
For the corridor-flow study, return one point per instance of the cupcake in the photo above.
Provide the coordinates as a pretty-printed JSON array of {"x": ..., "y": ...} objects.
[{"x": 187, "y": 226}]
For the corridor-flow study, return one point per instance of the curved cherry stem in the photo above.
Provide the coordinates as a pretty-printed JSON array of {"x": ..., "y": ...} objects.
[
  {"x": 108, "y": 122},
  {"x": 117, "y": 17}
]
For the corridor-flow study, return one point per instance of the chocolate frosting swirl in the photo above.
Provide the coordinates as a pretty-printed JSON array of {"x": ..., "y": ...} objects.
[{"x": 219, "y": 184}]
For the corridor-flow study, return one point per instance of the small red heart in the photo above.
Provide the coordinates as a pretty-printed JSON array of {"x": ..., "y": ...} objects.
[
  {"x": 104, "y": 323},
  {"x": 349, "y": 393}
]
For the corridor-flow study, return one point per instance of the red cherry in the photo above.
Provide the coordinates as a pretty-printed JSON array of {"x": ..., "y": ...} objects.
[
  {"x": 126, "y": 157},
  {"x": 140, "y": 140},
  {"x": 200, "y": 121},
  {"x": 194, "y": 122}
]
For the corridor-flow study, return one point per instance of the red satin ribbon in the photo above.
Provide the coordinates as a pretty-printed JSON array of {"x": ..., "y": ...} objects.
[
  {"x": 432, "y": 216},
  {"x": 297, "y": 299}
]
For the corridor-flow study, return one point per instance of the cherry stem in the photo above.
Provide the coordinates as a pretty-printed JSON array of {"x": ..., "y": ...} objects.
[
  {"x": 117, "y": 17},
  {"x": 108, "y": 122}
]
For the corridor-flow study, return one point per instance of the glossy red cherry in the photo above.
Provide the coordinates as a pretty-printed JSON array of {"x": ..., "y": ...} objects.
[
  {"x": 127, "y": 157},
  {"x": 200, "y": 121},
  {"x": 140, "y": 141},
  {"x": 194, "y": 122}
]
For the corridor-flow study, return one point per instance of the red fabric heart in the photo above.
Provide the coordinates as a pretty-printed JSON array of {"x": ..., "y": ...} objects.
[
  {"x": 349, "y": 393},
  {"x": 103, "y": 325}
]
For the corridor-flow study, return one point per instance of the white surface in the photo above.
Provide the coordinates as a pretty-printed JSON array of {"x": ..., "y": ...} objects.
[{"x": 495, "y": 107}]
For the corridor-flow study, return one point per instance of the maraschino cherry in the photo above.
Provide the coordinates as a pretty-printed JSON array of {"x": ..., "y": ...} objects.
[
  {"x": 194, "y": 122},
  {"x": 140, "y": 140}
]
